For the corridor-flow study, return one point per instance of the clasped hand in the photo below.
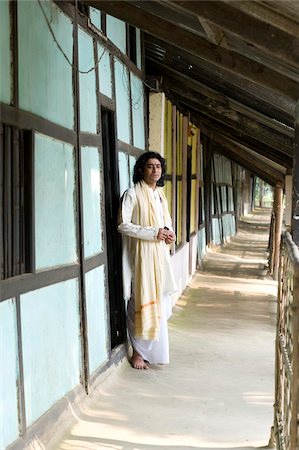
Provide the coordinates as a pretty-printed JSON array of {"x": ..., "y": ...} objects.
[{"x": 166, "y": 235}]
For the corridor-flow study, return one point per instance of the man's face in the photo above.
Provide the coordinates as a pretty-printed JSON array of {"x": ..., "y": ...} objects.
[{"x": 152, "y": 171}]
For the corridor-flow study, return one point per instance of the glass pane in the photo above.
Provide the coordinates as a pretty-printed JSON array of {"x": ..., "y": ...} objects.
[
  {"x": 96, "y": 317},
  {"x": 138, "y": 111},
  {"x": 95, "y": 17},
  {"x": 51, "y": 345},
  {"x": 87, "y": 81},
  {"x": 124, "y": 180},
  {"x": 8, "y": 373},
  {"x": 132, "y": 162},
  {"x": 105, "y": 79},
  {"x": 91, "y": 185},
  {"x": 45, "y": 89},
  {"x": 116, "y": 32},
  {"x": 122, "y": 92},
  {"x": 55, "y": 206}
]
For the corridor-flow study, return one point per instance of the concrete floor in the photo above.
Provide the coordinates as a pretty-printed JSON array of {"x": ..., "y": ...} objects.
[{"x": 217, "y": 392}]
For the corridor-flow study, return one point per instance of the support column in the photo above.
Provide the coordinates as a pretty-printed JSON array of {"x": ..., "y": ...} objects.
[
  {"x": 288, "y": 200},
  {"x": 261, "y": 194},
  {"x": 278, "y": 212},
  {"x": 295, "y": 221}
]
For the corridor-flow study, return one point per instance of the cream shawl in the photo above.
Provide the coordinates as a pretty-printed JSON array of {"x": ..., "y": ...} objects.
[{"x": 149, "y": 266}]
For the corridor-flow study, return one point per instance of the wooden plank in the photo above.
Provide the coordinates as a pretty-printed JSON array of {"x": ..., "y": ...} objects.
[
  {"x": 225, "y": 113},
  {"x": 271, "y": 39},
  {"x": 295, "y": 220},
  {"x": 238, "y": 135},
  {"x": 228, "y": 83},
  {"x": 232, "y": 62}
]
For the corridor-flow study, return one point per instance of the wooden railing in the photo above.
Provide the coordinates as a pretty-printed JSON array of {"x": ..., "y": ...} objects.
[{"x": 286, "y": 383}]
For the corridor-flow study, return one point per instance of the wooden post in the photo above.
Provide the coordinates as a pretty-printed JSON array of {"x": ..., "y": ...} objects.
[
  {"x": 288, "y": 199},
  {"x": 262, "y": 191},
  {"x": 295, "y": 221},
  {"x": 278, "y": 211}
]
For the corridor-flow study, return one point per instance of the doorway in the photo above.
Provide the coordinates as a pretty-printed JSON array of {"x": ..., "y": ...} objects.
[{"x": 113, "y": 238}]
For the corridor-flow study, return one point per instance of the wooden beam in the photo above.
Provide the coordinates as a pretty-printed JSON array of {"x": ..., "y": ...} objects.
[
  {"x": 279, "y": 43},
  {"x": 183, "y": 39},
  {"x": 276, "y": 158},
  {"x": 200, "y": 116},
  {"x": 223, "y": 110},
  {"x": 184, "y": 79},
  {"x": 259, "y": 97}
]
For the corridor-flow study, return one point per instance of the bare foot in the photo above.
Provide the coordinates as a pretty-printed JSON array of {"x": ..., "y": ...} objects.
[{"x": 137, "y": 362}]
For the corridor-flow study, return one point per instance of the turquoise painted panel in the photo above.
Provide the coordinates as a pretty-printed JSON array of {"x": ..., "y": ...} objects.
[
  {"x": 51, "y": 345},
  {"x": 5, "y": 57},
  {"x": 132, "y": 161},
  {"x": 122, "y": 92},
  {"x": 45, "y": 76},
  {"x": 138, "y": 111},
  {"x": 116, "y": 32},
  {"x": 87, "y": 84},
  {"x": 201, "y": 244},
  {"x": 105, "y": 76},
  {"x": 138, "y": 49},
  {"x": 8, "y": 374},
  {"x": 124, "y": 180},
  {"x": 55, "y": 228},
  {"x": 91, "y": 184},
  {"x": 224, "y": 198},
  {"x": 216, "y": 231},
  {"x": 96, "y": 303},
  {"x": 95, "y": 17}
]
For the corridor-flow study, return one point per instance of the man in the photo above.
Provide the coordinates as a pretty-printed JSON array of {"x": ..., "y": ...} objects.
[{"x": 146, "y": 228}]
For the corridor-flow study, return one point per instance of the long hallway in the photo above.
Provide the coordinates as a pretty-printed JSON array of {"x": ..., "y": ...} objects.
[{"x": 218, "y": 391}]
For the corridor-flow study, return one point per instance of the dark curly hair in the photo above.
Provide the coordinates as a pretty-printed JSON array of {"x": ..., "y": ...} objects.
[{"x": 140, "y": 165}]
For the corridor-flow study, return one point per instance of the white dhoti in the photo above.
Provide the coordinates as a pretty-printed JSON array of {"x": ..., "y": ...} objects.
[{"x": 155, "y": 352}]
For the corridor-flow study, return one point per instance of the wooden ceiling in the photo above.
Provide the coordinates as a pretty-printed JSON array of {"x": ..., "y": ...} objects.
[{"x": 232, "y": 65}]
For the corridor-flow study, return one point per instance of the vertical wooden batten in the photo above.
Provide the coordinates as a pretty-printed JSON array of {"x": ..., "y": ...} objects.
[
  {"x": 295, "y": 220},
  {"x": 278, "y": 211}
]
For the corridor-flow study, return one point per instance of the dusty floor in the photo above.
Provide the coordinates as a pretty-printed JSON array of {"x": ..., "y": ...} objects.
[{"x": 217, "y": 393}]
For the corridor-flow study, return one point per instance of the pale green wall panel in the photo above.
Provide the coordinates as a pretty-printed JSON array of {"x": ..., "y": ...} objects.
[
  {"x": 51, "y": 345},
  {"x": 95, "y": 17},
  {"x": 91, "y": 184},
  {"x": 201, "y": 244},
  {"x": 87, "y": 84},
  {"x": 105, "y": 76},
  {"x": 5, "y": 58},
  {"x": 132, "y": 161},
  {"x": 124, "y": 177},
  {"x": 45, "y": 76},
  {"x": 138, "y": 111},
  {"x": 8, "y": 373},
  {"x": 116, "y": 32},
  {"x": 55, "y": 206},
  {"x": 122, "y": 92},
  {"x": 216, "y": 231},
  {"x": 97, "y": 320}
]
